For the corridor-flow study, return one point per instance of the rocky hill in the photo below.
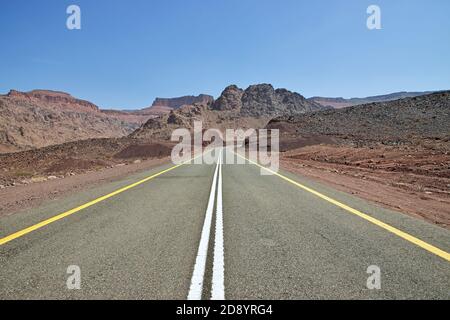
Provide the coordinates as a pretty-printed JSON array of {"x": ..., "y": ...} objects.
[
  {"x": 262, "y": 100},
  {"x": 184, "y": 117},
  {"x": 235, "y": 108},
  {"x": 404, "y": 121},
  {"x": 41, "y": 118},
  {"x": 338, "y": 103}
]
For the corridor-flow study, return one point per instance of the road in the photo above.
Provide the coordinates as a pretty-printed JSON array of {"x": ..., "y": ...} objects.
[{"x": 219, "y": 231}]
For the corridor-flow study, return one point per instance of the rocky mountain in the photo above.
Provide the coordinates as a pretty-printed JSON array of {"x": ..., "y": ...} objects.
[
  {"x": 403, "y": 121},
  {"x": 184, "y": 117},
  {"x": 262, "y": 100},
  {"x": 41, "y": 118},
  {"x": 165, "y": 105},
  {"x": 235, "y": 108},
  {"x": 338, "y": 103},
  {"x": 230, "y": 99}
]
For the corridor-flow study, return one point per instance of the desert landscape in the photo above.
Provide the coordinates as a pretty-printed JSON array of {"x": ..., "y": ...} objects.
[
  {"x": 392, "y": 149},
  {"x": 228, "y": 159}
]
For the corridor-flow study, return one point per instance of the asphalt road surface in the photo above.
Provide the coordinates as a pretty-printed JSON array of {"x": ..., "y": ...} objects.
[{"x": 220, "y": 231}]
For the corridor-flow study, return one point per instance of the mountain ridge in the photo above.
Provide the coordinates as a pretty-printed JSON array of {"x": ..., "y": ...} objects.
[
  {"x": 41, "y": 118},
  {"x": 340, "y": 102},
  {"x": 403, "y": 121},
  {"x": 234, "y": 108}
]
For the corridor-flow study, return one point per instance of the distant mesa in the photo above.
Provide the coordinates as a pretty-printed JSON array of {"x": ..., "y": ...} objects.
[
  {"x": 176, "y": 103},
  {"x": 161, "y": 106}
]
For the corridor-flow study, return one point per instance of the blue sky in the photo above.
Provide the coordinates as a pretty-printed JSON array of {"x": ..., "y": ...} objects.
[{"x": 129, "y": 52}]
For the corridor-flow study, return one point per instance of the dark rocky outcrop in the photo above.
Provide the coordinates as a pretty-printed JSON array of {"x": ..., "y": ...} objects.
[
  {"x": 230, "y": 99},
  {"x": 235, "y": 108},
  {"x": 263, "y": 100}
]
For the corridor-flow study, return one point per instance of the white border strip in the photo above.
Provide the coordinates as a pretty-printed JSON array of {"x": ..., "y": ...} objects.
[
  {"x": 196, "y": 288},
  {"x": 218, "y": 285}
]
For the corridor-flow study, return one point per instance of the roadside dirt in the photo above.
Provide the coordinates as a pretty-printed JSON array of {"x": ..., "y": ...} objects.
[
  {"x": 25, "y": 196},
  {"x": 413, "y": 180},
  {"x": 75, "y": 158},
  {"x": 410, "y": 180}
]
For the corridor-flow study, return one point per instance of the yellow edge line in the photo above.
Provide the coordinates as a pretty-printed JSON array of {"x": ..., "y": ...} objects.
[
  {"x": 60, "y": 216},
  {"x": 424, "y": 245}
]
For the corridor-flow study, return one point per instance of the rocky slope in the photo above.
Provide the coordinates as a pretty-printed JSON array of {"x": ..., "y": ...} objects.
[
  {"x": 76, "y": 157},
  {"x": 235, "y": 108},
  {"x": 405, "y": 121},
  {"x": 163, "y": 126},
  {"x": 343, "y": 103},
  {"x": 262, "y": 100},
  {"x": 41, "y": 118}
]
